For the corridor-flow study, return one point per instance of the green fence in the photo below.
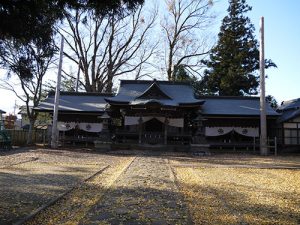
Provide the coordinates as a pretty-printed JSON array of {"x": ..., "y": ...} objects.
[{"x": 19, "y": 137}]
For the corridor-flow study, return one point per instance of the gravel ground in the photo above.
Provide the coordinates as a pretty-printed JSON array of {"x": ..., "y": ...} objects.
[
  {"x": 135, "y": 187},
  {"x": 144, "y": 194},
  {"x": 74, "y": 206},
  {"x": 29, "y": 179}
]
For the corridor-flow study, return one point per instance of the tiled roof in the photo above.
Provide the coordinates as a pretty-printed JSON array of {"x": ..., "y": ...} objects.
[
  {"x": 289, "y": 114},
  {"x": 235, "y": 106},
  {"x": 2, "y": 112},
  {"x": 135, "y": 92},
  {"x": 170, "y": 94},
  {"x": 291, "y": 104},
  {"x": 289, "y": 109},
  {"x": 75, "y": 102}
]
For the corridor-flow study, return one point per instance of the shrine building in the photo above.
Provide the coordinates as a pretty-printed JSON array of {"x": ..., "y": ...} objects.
[{"x": 160, "y": 113}]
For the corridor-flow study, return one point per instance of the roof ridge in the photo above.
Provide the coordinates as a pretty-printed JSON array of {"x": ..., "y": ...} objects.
[
  {"x": 154, "y": 86},
  {"x": 151, "y": 81},
  {"x": 81, "y": 93},
  {"x": 290, "y": 101},
  {"x": 227, "y": 97}
]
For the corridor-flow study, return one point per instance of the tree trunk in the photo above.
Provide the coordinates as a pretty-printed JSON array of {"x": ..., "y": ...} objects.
[
  {"x": 109, "y": 85},
  {"x": 110, "y": 76},
  {"x": 30, "y": 131}
]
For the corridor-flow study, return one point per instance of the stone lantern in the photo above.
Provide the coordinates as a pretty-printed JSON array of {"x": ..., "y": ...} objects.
[
  {"x": 105, "y": 121},
  {"x": 104, "y": 141},
  {"x": 1, "y": 120}
]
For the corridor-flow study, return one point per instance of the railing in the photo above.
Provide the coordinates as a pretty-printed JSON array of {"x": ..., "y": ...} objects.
[
  {"x": 153, "y": 137},
  {"x": 65, "y": 140},
  {"x": 272, "y": 145}
]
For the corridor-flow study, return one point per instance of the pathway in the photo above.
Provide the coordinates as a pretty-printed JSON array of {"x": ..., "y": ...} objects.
[{"x": 145, "y": 193}]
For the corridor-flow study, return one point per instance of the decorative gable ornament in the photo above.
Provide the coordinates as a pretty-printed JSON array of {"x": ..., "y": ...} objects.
[{"x": 154, "y": 92}]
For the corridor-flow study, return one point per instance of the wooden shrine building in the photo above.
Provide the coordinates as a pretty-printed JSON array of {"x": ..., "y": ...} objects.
[
  {"x": 151, "y": 112},
  {"x": 289, "y": 124},
  {"x": 154, "y": 112},
  {"x": 80, "y": 115}
]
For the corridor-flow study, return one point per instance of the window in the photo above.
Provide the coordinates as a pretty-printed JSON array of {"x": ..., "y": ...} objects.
[
  {"x": 291, "y": 136},
  {"x": 290, "y": 125}
]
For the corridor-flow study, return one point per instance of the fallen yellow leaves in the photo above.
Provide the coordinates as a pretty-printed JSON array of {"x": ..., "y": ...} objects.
[
  {"x": 205, "y": 206},
  {"x": 74, "y": 206},
  {"x": 241, "y": 195}
]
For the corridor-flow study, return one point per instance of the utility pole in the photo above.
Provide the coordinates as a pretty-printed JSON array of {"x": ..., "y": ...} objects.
[
  {"x": 54, "y": 133},
  {"x": 263, "y": 120}
]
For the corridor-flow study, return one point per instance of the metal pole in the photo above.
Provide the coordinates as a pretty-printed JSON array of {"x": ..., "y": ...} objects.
[
  {"x": 140, "y": 130},
  {"x": 263, "y": 120},
  {"x": 275, "y": 143},
  {"x": 166, "y": 131},
  {"x": 54, "y": 133}
]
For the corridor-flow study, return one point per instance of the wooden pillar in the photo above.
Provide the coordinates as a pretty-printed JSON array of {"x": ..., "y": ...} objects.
[
  {"x": 166, "y": 131},
  {"x": 140, "y": 130}
]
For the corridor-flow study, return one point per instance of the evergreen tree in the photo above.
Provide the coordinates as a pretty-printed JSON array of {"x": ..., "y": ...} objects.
[
  {"x": 234, "y": 61},
  {"x": 34, "y": 20},
  {"x": 272, "y": 101},
  {"x": 180, "y": 74}
]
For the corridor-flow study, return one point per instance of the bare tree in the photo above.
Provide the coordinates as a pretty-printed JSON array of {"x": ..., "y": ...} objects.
[
  {"x": 29, "y": 64},
  {"x": 182, "y": 26},
  {"x": 107, "y": 47}
]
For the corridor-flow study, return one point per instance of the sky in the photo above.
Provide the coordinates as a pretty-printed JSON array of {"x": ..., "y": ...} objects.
[{"x": 282, "y": 45}]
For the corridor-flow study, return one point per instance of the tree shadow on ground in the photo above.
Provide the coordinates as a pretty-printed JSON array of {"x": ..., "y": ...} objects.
[{"x": 21, "y": 194}]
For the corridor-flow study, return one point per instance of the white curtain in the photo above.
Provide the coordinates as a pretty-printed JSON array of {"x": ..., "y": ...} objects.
[
  {"x": 65, "y": 126},
  {"x": 134, "y": 120},
  {"x": 178, "y": 122},
  {"x": 217, "y": 131},
  {"x": 147, "y": 118},
  {"x": 247, "y": 131},
  {"x": 160, "y": 118},
  {"x": 174, "y": 122},
  {"x": 91, "y": 127},
  {"x": 131, "y": 120}
]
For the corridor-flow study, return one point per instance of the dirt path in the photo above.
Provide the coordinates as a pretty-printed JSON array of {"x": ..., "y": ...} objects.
[{"x": 144, "y": 194}]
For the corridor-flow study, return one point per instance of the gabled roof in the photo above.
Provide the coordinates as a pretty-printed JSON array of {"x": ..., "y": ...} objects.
[
  {"x": 289, "y": 109},
  {"x": 75, "y": 102},
  {"x": 234, "y": 106},
  {"x": 167, "y": 93},
  {"x": 153, "y": 92},
  {"x": 2, "y": 112}
]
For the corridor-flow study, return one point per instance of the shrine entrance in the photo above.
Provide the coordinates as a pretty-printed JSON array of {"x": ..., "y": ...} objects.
[
  {"x": 154, "y": 125},
  {"x": 153, "y": 132}
]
